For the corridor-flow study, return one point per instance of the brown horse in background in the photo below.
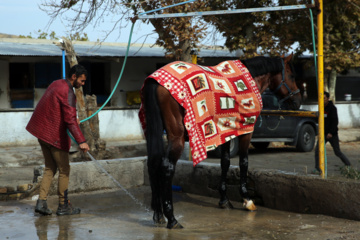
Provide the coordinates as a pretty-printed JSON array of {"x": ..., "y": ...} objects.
[{"x": 164, "y": 113}]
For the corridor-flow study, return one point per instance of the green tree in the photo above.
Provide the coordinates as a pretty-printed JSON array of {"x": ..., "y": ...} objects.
[
  {"x": 248, "y": 32},
  {"x": 78, "y": 37},
  {"x": 275, "y": 32},
  {"x": 52, "y": 36},
  {"x": 177, "y": 35},
  {"x": 341, "y": 38}
]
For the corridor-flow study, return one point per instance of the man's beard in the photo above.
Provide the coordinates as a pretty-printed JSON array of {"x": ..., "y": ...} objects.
[{"x": 76, "y": 84}]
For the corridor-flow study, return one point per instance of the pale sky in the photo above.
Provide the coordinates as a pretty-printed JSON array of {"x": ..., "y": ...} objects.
[{"x": 21, "y": 17}]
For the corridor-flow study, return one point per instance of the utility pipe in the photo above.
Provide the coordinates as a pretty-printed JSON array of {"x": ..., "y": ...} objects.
[
  {"x": 63, "y": 64},
  {"x": 162, "y": 8}
]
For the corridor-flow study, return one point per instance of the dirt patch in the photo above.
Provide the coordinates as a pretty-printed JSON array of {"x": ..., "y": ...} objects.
[
  {"x": 128, "y": 151},
  {"x": 114, "y": 152}
]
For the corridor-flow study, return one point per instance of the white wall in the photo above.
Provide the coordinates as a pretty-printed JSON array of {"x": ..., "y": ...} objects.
[
  {"x": 121, "y": 125},
  {"x": 136, "y": 70},
  {"x": 348, "y": 113},
  {"x": 115, "y": 125},
  {"x": 12, "y": 129}
]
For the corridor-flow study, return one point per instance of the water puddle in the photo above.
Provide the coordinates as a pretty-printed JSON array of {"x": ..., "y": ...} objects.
[{"x": 114, "y": 215}]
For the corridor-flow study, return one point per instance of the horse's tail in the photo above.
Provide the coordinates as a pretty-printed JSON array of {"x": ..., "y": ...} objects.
[{"x": 154, "y": 122}]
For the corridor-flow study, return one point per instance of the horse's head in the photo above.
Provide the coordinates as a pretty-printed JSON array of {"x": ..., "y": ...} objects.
[{"x": 283, "y": 84}]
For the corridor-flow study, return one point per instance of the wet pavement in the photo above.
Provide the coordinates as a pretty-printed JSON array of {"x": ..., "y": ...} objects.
[
  {"x": 285, "y": 158},
  {"x": 17, "y": 163},
  {"x": 113, "y": 215}
]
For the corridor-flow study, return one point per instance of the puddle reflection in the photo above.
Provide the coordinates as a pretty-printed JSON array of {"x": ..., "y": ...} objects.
[
  {"x": 46, "y": 227},
  {"x": 109, "y": 215}
]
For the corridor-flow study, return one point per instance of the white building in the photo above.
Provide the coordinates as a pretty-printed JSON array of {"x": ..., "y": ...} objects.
[{"x": 28, "y": 66}]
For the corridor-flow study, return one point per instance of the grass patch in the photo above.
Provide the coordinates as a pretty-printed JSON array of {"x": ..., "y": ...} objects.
[{"x": 350, "y": 172}]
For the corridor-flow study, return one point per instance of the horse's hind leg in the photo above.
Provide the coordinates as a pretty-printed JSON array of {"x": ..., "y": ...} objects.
[
  {"x": 155, "y": 147},
  {"x": 225, "y": 164},
  {"x": 175, "y": 148},
  {"x": 173, "y": 116}
]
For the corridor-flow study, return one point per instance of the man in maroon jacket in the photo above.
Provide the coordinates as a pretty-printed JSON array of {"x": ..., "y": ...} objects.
[{"x": 53, "y": 115}]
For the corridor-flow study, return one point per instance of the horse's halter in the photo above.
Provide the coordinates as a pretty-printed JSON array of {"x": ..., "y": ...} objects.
[{"x": 291, "y": 93}]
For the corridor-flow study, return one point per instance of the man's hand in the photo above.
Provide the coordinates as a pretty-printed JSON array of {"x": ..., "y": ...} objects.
[
  {"x": 84, "y": 147},
  {"x": 328, "y": 136}
]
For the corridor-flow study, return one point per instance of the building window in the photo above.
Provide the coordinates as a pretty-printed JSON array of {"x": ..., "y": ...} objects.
[
  {"x": 46, "y": 73},
  {"x": 25, "y": 78},
  {"x": 21, "y": 85},
  {"x": 98, "y": 81},
  {"x": 347, "y": 85}
]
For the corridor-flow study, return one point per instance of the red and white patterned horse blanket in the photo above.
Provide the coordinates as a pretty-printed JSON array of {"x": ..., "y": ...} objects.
[{"x": 220, "y": 102}]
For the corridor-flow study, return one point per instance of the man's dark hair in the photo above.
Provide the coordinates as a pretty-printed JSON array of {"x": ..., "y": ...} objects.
[
  {"x": 327, "y": 94},
  {"x": 78, "y": 70}
]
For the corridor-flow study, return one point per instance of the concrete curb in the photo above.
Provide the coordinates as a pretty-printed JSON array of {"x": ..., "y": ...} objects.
[
  {"x": 86, "y": 176},
  {"x": 307, "y": 194},
  {"x": 275, "y": 189},
  {"x": 270, "y": 188}
]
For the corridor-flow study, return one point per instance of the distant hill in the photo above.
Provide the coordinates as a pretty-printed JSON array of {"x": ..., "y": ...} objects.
[{"x": 4, "y": 35}]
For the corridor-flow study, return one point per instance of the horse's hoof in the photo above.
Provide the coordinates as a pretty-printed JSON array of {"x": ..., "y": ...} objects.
[
  {"x": 226, "y": 204},
  {"x": 249, "y": 205},
  {"x": 159, "y": 219},
  {"x": 175, "y": 226}
]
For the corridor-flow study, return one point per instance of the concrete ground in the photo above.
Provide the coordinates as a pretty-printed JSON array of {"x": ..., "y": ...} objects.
[
  {"x": 17, "y": 163},
  {"x": 113, "y": 215},
  {"x": 285, "y": 158}
]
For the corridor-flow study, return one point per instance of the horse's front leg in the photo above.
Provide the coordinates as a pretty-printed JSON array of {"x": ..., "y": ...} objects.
[
  {"x": 244, "y": 143},
  {"x": 168, "y": 171},
  {"x": 225, "y": 164}
]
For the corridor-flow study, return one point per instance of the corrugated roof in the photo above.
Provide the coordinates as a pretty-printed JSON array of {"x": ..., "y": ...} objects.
[{"x": 39, "y": 47}]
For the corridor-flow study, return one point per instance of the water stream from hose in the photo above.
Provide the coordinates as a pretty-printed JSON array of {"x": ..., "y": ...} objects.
[{"x": 118, "y": 184}]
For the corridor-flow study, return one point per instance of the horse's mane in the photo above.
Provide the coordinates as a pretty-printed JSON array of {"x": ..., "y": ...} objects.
[{"x": 258, "y": 66}]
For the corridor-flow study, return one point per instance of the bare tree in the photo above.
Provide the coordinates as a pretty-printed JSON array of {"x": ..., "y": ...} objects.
[
  {"x": 85, "y": 107},
  {"x": 177, "y": 35},
  {"x": 277, "y": 32}
]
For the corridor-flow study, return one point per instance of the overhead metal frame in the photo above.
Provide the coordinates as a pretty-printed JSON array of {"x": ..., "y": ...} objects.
[{"x": 145, "y": 15}]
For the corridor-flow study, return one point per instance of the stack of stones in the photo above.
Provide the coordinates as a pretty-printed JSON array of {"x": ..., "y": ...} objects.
[
  {"x": 24, "y": 190},
  {"x": 21, "y": 191}
]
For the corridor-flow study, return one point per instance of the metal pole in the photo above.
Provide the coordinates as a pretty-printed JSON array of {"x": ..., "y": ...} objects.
[
  {"x": 321, "y": 89},
  {"x": 248, "y": 10},
  {"x": 159, "y": 9}
]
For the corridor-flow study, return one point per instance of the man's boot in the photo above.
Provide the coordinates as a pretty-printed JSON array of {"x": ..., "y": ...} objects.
[
  {"x": 42, "y": 208},
  {"x": 67, "y": 209}
]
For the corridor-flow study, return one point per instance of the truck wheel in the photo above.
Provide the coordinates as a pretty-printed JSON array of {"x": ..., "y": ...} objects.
[
  {"x": 306, "y": 138},
  {"x": 234, "y": 148},
  {"x": 260, "y": 145}
]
